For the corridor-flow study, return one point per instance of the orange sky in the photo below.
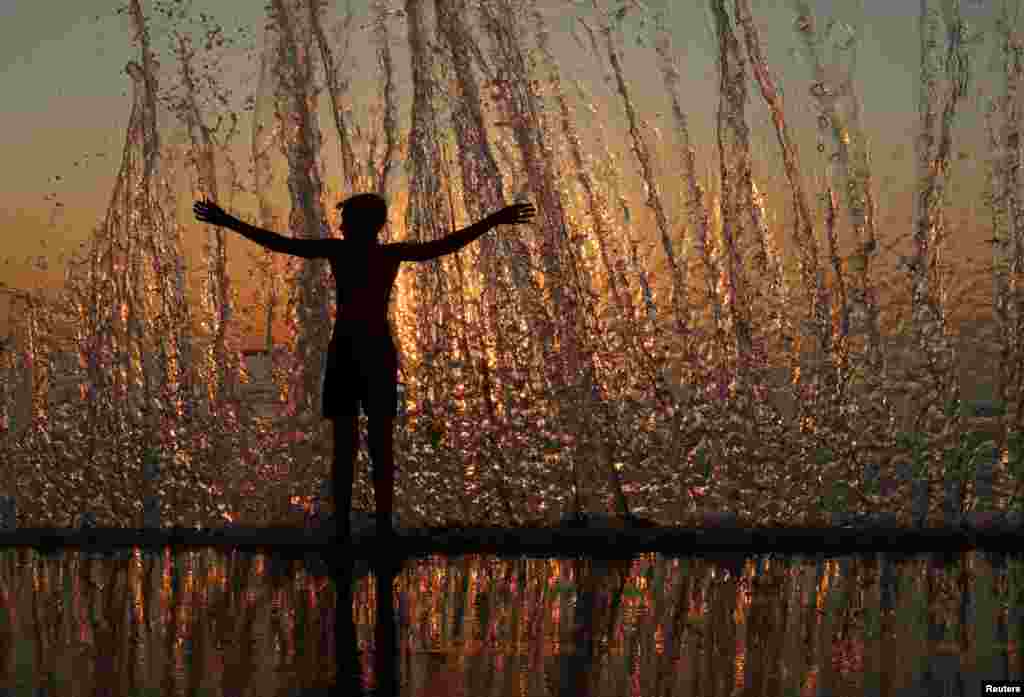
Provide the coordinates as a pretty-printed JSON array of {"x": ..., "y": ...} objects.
[{"x": 63, "y": 136}]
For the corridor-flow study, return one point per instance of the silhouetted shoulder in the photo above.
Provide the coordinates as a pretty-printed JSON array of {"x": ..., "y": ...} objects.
[
  {"x": 422, "y": 251},
  {"x": 400, "y": 251}
]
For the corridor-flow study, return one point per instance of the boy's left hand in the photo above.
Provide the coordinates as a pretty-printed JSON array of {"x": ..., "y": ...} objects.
[{"x": 515, "y": 214}]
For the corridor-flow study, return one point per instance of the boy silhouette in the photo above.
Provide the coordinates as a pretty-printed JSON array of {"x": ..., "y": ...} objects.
[{"x": 362, "y": 359}]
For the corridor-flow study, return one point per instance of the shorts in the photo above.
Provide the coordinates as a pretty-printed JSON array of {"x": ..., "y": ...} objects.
[{"x": 361, "y": 370}]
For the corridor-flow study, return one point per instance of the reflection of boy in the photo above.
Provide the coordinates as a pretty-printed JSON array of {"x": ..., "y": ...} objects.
[{"x": 362, "y": 359}]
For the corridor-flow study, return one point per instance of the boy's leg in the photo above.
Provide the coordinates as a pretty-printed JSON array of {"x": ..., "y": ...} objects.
[
  {"x": 380, "y": 392},
  {"x": 346, "y": 445},
  {"x": 381, "y": 435}
]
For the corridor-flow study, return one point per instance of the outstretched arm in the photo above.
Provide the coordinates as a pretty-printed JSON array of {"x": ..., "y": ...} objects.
[
  {"x": 208, "y": 212},
  {"x": 423, "y": 251}
]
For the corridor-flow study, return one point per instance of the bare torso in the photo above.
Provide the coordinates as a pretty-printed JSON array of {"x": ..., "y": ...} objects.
[{"x": 363, "y": 278}]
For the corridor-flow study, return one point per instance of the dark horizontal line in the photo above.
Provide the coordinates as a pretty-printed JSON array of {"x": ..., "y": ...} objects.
[{"x": 541, "y": 541}]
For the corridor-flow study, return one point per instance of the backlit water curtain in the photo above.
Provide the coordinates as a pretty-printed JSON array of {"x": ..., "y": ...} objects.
[{"x": 611, "y": 349}]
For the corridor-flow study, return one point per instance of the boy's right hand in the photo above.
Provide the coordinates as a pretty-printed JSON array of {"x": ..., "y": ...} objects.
[
  {"x": 515, "y": 214},
  {"x": 210, "y": 212}
]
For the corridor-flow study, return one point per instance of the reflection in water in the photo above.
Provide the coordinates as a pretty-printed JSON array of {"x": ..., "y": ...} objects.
[{"x": 239, "y": 623}]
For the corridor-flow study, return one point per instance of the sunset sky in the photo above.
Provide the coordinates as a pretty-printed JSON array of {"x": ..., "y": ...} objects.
[{"x": 68, "y": 100}]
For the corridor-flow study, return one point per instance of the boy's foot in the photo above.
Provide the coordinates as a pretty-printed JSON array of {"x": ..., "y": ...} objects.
[
  {"x": 383, "y": 527},
  {"x": 340, "y": 537}
]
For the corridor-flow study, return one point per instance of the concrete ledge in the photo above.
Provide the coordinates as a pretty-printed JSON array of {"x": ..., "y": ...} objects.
[{"x": 555, "y": 542}]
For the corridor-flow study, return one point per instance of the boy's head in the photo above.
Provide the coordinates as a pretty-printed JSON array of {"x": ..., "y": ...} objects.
[{"x": 363, "y": 216}]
